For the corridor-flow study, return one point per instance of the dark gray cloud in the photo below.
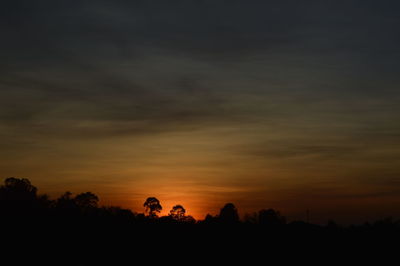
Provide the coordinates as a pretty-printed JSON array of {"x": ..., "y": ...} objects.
[
  {"x": 218, "y": 28},
  {"x": 126, "y": 67}
]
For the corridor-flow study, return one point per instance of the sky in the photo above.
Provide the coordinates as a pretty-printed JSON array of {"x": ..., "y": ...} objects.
[{"x": 291, "y": 105}]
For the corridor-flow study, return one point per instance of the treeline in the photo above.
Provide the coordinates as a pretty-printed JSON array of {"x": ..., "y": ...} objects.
[
  {"x": 19, "y": 198},
  {"x": 75, "y": 230}
]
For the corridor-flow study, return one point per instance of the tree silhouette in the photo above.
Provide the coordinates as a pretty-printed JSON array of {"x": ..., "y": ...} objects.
[
  {"x": 86, "y": 200},
  {"x": 19, "y": 189},
  {"x": 18, "y": 197},
  {"x": 66, "y": 205},
  {"x": 209, "y": 219},
  {"x": 178, "y": 213},
  {"x": 44, "y": 201},
  {"x": 189, "y": 219},
  {"x": 65, "y": 199},
  {"x": 153, "y": 206},
  {"x": 229, "y": 214},
  {"x": 271, "y": 217}
]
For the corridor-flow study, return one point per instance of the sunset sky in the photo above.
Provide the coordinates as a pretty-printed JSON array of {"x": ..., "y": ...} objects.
[{"x": 291, "y": 105}]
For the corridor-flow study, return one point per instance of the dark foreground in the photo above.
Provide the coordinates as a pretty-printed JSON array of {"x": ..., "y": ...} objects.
[
  {"x": 74, "y": 231},
  {"x": 99, "y": 242}
]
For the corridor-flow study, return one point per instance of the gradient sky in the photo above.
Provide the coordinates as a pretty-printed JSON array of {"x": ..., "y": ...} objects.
[{"x": 285, "y": 104}]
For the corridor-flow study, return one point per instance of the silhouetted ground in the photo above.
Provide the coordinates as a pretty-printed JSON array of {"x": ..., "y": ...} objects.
[{"x": 75, "y": 231}]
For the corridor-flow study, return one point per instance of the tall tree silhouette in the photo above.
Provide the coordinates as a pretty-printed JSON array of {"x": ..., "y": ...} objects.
[
  {"x": 229, "y": 214},
  {"x": 178, "y": 213},
  {"x": 153, "y": 207}
]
